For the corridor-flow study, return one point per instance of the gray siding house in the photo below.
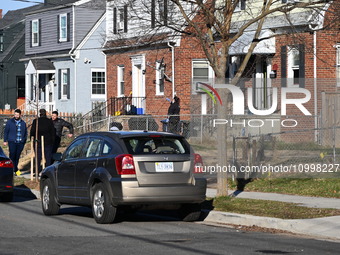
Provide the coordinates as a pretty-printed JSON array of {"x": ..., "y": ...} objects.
[
  {"x": 65, "y": 69},
  {"x": 12, "y": 71}
]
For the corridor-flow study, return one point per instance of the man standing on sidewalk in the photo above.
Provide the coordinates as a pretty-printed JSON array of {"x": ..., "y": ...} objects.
[
  {"x": 45, "y": 129},
  {"x": 15, "y": 137},
  {"x": 59, "y": 124}
]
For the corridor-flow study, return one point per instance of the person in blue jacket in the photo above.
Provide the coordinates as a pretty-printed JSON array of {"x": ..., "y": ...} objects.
[{"x": 15, "y": 137}]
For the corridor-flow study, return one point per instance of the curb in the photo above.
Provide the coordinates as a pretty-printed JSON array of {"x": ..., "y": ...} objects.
[
  {"x": 318, "y": 227},
  {"x": 29, "y": 193}
]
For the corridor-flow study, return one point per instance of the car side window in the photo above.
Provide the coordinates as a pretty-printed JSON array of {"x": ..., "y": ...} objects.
[
  {"x": 107, "y": 148},
  {"x": 93, "y": 148},
  {"x": 75, "y": 149}
]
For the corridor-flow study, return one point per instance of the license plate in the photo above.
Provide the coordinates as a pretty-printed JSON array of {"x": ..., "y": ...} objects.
[{"x": 164, "y": 166}]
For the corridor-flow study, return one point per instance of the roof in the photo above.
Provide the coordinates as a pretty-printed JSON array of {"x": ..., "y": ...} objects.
[
  {"x": 43, "y": 64},
  {"x": 13, "y": 17}
]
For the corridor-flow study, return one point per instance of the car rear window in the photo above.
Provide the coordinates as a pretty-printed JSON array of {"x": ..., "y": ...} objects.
[{"x": 156, "y": 145}]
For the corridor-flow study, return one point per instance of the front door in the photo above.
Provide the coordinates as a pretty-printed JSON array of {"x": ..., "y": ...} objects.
[{"x": 138, "y": 83}]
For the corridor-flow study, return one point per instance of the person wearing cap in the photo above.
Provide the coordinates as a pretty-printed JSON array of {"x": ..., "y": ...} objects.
[
  {"x": 174, "y": 118},
  {"x": 59, "y": 124},
  {"x": 47, "y": 130},
  {"x": 15, "y": 137}
]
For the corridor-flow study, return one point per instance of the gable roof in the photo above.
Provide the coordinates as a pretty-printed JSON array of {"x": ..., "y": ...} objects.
[{"x": 16, "y": 16}]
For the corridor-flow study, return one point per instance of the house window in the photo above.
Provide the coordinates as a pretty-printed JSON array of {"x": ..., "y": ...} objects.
[
  {"x": 338, "y": 65},
  {"x": 160, "y": 78},
  {"x": 98, "y": 83},
  {"x": 1, "y": 42},
  {"x": 64, "y": 83},
  {"x": 120, "y": 81},
  {"x": 240, "y": 5},
  {"x": 294, "y": 67},
  {"x": 120, "y": 19},
  {"x": 161, "y": 7},
  {"x": 63, "y": 28},
  {"x": 201, "y": 71},
  {"x": 35, "y": 32}
]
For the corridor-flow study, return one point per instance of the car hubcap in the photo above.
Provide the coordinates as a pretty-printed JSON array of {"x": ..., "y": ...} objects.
[
  {"x": 46, "y": 197},
  {"x": 98, "y": 203}
]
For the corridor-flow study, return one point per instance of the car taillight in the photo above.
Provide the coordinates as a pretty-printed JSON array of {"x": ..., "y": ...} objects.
[
  {"x": 198, "y": 163},
  {"x": 6, "y": 163},
  {"x": 125, "y": 164}
]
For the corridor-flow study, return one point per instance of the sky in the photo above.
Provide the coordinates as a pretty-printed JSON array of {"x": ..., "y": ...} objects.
[{"x": 7, "y": 5}]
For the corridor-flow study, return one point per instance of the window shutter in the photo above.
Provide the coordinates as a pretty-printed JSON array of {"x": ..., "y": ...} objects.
[
  {"x": 243, "y": 4},
  {"x": 125, "y": 18},
  {"x": 58, "y": 28},
  {"x": 39, "y": 32},
  {"x": 283, "y": 66},
  {"x": 165, "y": 12},
  {"x": 59, "y": 83},
  {"x": 153, "y": 13},
  {"x": 115, "y": 20},
  {"x": 68, "y": 84},
  {"x": 68, "y": 27},
  {"x": 31, "y": 31},
  {"x": 302, "y": 66}
]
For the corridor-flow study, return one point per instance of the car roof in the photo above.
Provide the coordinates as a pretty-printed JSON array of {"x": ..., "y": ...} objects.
[{"x": 135, "y": 133}]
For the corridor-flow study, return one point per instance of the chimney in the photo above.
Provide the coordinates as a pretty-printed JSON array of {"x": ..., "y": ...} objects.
[{"x": 0, "y": 13}]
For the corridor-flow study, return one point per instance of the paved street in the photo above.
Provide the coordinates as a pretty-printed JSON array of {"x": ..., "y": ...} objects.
[{"x": 24, "y": 230}]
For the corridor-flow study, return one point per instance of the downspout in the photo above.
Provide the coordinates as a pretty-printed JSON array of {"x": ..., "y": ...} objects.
[
  {"x": 173, "y": 68},
  {"x": 72, "y": 56},
  {"x": 315, "y": 89}
]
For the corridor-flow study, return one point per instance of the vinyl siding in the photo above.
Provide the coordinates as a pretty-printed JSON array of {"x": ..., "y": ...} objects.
[{"x": 49, "y": 32}]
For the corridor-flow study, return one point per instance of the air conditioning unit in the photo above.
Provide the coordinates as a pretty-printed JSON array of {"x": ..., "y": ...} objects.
[{"x": 120, "y": 25}]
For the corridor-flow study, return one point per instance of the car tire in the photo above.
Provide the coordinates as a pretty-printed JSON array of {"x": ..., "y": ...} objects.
[
  {"x": 7, "y": 197},
  {"x": 48, "y": 198},
  {"x": 103, "y": 211},
  {"x": 190, "y": 212}
]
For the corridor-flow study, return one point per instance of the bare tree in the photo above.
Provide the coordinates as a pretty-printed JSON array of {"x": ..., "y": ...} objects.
[{"x": 216, "y": 25}]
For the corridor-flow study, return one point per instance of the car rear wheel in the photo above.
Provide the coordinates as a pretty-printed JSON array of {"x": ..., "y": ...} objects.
[
  {"x": 103, "y": 211},
  {"x": 48, "y": 198},
  {"x": 7, "y": 196},
  {"x": 190, "y": 212}
]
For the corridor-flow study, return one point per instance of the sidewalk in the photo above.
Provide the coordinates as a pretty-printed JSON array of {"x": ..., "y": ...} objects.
[{"x": 324, "y": 228}]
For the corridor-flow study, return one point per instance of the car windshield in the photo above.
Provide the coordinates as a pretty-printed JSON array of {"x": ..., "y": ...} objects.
[{"x": 156, "y": 145}]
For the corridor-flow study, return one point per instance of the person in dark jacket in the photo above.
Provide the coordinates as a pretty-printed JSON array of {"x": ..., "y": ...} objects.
[
  {"x": 15, "y": 137},
  {"x": 173, "y": 112},
  {"x": 47, "y": 130},
  {"x": 59, "y": 124}
]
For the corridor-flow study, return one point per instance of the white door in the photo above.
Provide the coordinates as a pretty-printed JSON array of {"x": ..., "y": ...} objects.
[{"x": 138, "y": 84}]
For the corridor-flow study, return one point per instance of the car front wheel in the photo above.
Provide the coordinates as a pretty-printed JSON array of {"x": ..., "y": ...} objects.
[
  {"x": 48, "y": 198},
  {"x": 103, "y": 211}
]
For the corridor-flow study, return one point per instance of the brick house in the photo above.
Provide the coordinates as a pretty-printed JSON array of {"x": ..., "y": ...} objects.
[{"x": 288, "y": 55}]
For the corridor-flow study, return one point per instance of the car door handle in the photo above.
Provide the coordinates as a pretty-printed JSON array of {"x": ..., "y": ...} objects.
[{"x": 92, "y": 164}]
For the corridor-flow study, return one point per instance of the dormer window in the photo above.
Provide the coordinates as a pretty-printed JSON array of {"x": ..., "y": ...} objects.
[
  {"x": 120, "y": 22},
  {"x": 35, "y": 32},
  {"x": 64, "y": 27}
]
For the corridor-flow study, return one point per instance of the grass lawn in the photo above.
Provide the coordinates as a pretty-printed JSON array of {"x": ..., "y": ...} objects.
[
  {"x": 303, "y": 187},
  {"x": 268, "y": 208}
]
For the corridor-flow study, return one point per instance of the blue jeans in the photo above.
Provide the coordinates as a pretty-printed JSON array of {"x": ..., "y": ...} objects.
[{"x": 15, "y": 150}]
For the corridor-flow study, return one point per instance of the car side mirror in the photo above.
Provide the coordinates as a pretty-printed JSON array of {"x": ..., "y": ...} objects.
[{"x": 57, "y": 156}]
